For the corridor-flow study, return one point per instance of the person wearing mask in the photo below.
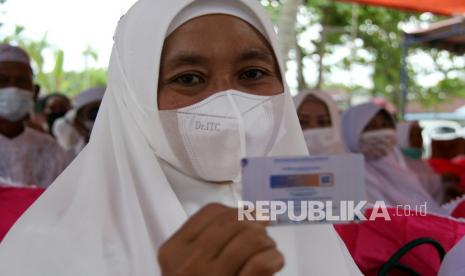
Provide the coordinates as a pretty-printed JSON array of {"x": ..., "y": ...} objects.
[
  {"x": 410, "y": 142},
  {"x": 320, "y": 121},
  {"x": 370, "y": 130},
  {"x": 27, "y": 157},
  {"x": 73, "y": 130},
  {"x": 50, "y": 108},
  {"x": 193, "y": 87}
]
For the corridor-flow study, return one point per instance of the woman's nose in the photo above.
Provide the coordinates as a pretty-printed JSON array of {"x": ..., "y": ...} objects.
[{"x": 222, "y": 83}]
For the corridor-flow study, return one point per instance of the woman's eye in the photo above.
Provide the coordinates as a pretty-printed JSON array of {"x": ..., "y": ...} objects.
[
  {"x": 324, "y": 122},
  {"x": 188, "y": 80},
  {"x": 252, "y": 74}
]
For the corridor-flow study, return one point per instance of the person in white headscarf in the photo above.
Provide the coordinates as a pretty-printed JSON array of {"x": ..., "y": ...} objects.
[
  {"x": 320, "y": 121},
  {"x": 370, "y": 130},
  {"x": 27, "y": 156},
  {"x": 73, "y": 130},
  {"x": 410, "y": 142},
  {"x": 192, "y": 87}
]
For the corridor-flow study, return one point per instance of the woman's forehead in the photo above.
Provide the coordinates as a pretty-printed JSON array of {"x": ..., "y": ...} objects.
[
  {"x": 214, "y": 34},
  {"x": 312, "y": 104}
]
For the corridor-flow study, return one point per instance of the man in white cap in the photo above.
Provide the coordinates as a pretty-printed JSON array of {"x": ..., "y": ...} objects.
[
  {"x": 27, "y": 157},
  {"x": 73, "y": 130}
]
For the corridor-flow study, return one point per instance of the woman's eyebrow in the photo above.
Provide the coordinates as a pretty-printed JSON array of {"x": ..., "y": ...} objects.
[
  {"x": 186, "y": 58},
  {"x": 257, "y": 53},
  {"x": 305, "y": 116}
]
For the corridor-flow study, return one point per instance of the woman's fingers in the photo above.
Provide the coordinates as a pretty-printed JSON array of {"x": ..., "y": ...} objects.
[
  {"x": 219, "y": 232},
  {"x": 215, "y": 242},
  {"x": 196, "y": 224},
  {"x": 247, "y": 243},
  {"x": 265, "y": 263}
]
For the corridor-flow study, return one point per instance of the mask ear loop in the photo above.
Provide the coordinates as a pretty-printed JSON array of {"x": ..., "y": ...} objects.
[{"x": 241, "y": 128}]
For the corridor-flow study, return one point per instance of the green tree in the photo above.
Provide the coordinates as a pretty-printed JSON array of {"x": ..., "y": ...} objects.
[
  {"x": 1, "y": 2},
  {"x": 375, "y": 37}
]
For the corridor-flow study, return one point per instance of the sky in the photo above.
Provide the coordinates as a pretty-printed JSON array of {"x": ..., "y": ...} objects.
[{"x": 70, "y": 25}]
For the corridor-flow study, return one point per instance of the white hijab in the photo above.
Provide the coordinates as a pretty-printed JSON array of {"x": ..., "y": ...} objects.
[
  {"x": 333, "y": 109},
  {"x": 389, "y": 178},
  {"x": 113, "y": 207}
]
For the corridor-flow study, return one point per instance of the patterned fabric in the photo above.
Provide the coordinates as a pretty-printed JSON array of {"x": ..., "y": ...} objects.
[{"x": 32, "y": 158}]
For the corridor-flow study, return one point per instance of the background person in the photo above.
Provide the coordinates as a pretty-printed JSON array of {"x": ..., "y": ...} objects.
[
  {"x": 55, "y": 107},
  {"x": 411, "y": 144},
  {"x": 27, "y": 156},
  {"x": 73, "y": 130},
  {"x": 370, "y": 130},
  {"x": 320, "y": 121}
]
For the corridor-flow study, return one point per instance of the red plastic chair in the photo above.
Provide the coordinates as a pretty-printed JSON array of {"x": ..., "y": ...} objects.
[{"x": 13, "y": 203}]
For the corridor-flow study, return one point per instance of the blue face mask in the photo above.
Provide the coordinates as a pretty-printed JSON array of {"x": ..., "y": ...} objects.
[{"x": 413, "y": 153}]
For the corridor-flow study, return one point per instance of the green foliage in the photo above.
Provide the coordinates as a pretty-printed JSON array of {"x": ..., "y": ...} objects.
[
  {"x": 378, "y": 33},
  {"x": 68, "y": 82},
  {"x": 273, "y": 8}
]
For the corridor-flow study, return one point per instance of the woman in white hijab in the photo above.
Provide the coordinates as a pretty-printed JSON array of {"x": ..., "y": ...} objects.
[
  {"x": 320, "y": 121},
  {"x": 410, "y": 142},
  {"x": 370, "y": 130},
  {"x": 146, "y": 170}
]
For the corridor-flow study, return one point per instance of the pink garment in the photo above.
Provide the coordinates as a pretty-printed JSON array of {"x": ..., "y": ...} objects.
[
  {"x": 428, "y": 178},
  {"x": 391, "y": 181},
  {"x": 388, "y": 178},
  {"x": 372, "y": 243}
]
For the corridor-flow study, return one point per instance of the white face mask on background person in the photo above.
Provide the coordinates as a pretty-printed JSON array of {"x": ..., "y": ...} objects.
[
  {"x": 320, "y": 141},
  {"x": 213, "y": 135},
  {"x": 377, "y": 144},
  {"x": 15, "y": 103}
]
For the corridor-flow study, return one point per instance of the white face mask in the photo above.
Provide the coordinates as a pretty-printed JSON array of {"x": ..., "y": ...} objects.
[
  {"x": 213, "y": 135},
  {"x": 15, "y": 103},
  {"x": 320, "y": 141},
  {"x": 377, "y": 144}
]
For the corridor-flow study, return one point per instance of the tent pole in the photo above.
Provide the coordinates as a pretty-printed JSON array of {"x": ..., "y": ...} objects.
[{"x": 404, "y": 78}]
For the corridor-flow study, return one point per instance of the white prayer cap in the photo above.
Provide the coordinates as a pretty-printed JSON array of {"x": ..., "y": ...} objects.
[
  {"x": 10, "y": 53},
  {"x": 88, "y": 96}
]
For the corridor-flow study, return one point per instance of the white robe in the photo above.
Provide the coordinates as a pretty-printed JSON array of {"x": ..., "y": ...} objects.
[
  {"x": 32, "y": 158},
  {"x": 116, "y": 204}
]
